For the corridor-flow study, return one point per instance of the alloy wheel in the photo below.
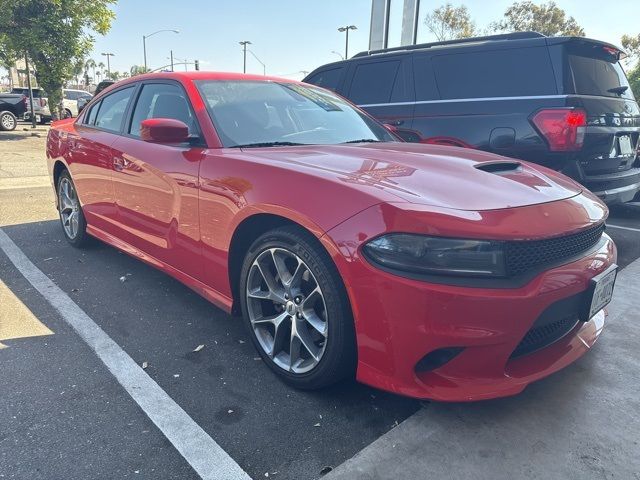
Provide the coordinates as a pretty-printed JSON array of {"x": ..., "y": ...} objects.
[
  {"x": 69, "y": 207},
  {"x": 287, "y": 310},
  {"x": 8, "y": 122}
]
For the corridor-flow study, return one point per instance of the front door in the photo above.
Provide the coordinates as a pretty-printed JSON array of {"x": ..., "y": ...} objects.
[{"x": 156, "y": 185}]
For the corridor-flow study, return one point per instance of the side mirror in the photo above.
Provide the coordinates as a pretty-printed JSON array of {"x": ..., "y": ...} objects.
[{"x": 164, "y": 130}]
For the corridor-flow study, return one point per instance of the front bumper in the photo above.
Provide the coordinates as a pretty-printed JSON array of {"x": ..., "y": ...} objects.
[{"x": 399, "y": 321}]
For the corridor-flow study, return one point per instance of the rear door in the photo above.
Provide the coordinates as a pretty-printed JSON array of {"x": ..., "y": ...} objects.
[
  {"x": 90, "y": 157},
  {"x": 383, "y": 87},
  {"x": 596, "y": 82},
  {"x": 156, "y": 185}
]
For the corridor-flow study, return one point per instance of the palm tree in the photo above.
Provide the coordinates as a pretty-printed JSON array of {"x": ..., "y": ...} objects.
[
  {"x": 101, "y": 66},
  {"x": 91, "y": 64}
]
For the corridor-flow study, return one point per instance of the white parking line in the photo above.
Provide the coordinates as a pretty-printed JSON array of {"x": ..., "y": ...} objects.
[
  {"x": 623, "y": 228},
  {"x": 206, "y": 457}
]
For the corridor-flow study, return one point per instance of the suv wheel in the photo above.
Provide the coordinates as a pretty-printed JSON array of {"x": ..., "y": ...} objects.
[
  {"x": 8, "y": 121},
  {"x": 296, "y": 309}
]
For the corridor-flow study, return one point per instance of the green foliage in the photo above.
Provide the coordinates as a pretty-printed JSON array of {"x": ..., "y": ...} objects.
[
  {"x": 448, "y": 23},
  {"x": 631, "y": 46},
  {"x": 138, "y": 70},
  {"x": 54, "y": 34},
  {"x": 633, "y": 76},
  {"x": 546, "y": 18}
]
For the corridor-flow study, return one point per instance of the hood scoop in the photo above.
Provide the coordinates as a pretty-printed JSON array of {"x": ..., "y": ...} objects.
[{"x": 500, "y": 167}]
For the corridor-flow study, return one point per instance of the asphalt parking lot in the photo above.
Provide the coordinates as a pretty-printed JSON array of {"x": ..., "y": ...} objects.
[{"x": 63, "y": 414}]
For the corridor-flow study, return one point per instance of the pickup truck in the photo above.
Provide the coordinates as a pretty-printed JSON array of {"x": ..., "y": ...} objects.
[{"x": 12, "y": 107}]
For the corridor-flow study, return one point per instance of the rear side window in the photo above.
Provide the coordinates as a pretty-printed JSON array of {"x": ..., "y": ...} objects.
[
  {"x": 159, "y": 100},
  {"x": 327, "y": 78},
  {"x": 594, "y": 76},
  {"x": 374, "y": 82},
  {"x": 112, "y": 109},
  {"x": 496, "y": 73},
  {"x": 91, "y": 116}
]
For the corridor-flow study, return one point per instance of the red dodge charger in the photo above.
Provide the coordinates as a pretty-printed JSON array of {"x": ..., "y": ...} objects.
[{"x": 431, "y": 271}]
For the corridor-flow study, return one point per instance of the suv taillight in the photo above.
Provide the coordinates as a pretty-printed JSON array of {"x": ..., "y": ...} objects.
[{"x": 563, "y": 128}]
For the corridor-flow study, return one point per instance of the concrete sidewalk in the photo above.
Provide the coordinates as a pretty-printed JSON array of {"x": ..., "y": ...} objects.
[{"x": 581, "y": 423}]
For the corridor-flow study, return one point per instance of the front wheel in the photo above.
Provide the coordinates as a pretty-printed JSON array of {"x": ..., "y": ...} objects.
[
  {"x": 8, "y": 121},
  {"x": 296, "y": 309}
]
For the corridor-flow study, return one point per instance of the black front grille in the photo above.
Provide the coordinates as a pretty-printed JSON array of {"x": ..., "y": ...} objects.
[
  {"x": 555, "y": 322},
  {"x": 540, "y": 337},
  {"x": 527, "y": 255}
]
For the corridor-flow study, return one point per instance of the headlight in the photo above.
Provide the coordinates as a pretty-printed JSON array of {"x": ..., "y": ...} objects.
[{"x": 435, "y": 255}]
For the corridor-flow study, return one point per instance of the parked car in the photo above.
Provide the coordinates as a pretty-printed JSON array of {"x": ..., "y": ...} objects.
[
  {"x": 562, "y": 102},
  {"x": 12, "y": 107},
  {"x": 70, "y": 101},
  {"x": 427, "y": 270},
  {"x": 40, "y": 104},
  {"x": 82, "y": 101}
]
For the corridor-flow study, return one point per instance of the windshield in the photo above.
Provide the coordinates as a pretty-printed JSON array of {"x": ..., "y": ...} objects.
[{"x": 256, "y": 113}]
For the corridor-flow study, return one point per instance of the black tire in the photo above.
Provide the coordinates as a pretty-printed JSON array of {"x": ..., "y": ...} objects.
[
  {"x": 67, "y": 113},
  {"x": 81, "y": 238},
  {"x": 8, "y": 121},
  {"x": 339, "y": 358}
]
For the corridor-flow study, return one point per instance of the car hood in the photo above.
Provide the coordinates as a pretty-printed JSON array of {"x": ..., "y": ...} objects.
[{"x": 448, "y": 177}]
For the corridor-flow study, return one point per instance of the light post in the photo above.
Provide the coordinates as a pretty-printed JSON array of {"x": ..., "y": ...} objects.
[
  {"x": 244, "y": 44},
  {"x": 144, "y": 43},
  {"x": 346, "y": 30},
  {"x": 108, "y": 55},
  {"x": 180, "y": 60},
  {"x": 338, "y": 53},
  {"x": 264, "y": 67}
]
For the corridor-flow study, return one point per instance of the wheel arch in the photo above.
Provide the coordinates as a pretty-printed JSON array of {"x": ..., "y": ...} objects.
[{"x": 250, "y": 228}]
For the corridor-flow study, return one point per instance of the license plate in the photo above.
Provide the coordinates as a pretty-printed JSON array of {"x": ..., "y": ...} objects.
[
  {"x": 602, "y": 286},
  {"x": 625, "y": 145}
]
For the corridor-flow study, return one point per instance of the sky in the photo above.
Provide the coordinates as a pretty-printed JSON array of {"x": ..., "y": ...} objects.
[{"x": 290, "y": 36}]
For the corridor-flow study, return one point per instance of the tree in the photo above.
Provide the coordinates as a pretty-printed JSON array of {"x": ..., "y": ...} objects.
[
  {"x": 138, "y": 70},
  {"x": 448, "y": 23},
  {"x": 545, "y": 18},
  {"x": 54, "y": 33},
  {"x": 631, "y": 46},
  {"x": 90, "y": 64}
]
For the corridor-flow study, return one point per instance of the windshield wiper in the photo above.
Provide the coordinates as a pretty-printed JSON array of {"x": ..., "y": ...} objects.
[
  {"x": 267, "y": 144},
  {"x": 618, "y": 90},
  {"x": 364, "y": 140}
]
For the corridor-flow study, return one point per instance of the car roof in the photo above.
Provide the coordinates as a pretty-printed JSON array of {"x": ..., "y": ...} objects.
[{"x": 204, "y": 75}]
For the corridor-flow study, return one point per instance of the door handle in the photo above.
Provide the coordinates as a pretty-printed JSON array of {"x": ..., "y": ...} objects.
[{"x": 119, "y": 163}]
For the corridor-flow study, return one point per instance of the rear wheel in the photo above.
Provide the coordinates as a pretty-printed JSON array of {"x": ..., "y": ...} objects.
[
  {"x": 72, "y": 219},
  {"x": 8, "y": 121},
  {"x": 296, "y": 309},
  {"x": 67, "y": 113}
]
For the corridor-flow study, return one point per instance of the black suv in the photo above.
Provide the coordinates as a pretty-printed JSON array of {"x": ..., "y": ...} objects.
[{"x": 563, "y": 102}]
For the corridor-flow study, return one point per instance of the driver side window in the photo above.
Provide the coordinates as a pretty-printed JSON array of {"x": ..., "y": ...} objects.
[{"x": 162, "y": 100}]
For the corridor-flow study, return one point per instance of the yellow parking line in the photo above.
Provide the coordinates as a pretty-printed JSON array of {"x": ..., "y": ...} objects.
[{"x": 16, "y": 320}]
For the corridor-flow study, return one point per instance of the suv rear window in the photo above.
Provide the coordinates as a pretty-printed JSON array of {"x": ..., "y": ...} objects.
[
  {"x": 594, "y": 76},
  {"x": 497, "y": 73}
]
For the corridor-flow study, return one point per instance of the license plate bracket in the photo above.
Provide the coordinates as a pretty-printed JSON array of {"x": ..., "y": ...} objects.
[
  {"x": 600, "y": 292},
  {"x": 624, "y": 143}
]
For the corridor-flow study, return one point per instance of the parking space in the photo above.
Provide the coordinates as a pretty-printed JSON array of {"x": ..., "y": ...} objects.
[{"x": 63, "y": 411}]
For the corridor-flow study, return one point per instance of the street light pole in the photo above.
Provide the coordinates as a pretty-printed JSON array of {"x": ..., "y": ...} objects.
[
  {"x": 338, "y": 53},
  {"x": 108, "y": 55},
  {"x": 244, "y": 44},
  {"x": 264, "y": 67},
  {"x": 144, "y": 43},
  {"x": 346, "y": 30},
  {"x": 171, "y": 60}
]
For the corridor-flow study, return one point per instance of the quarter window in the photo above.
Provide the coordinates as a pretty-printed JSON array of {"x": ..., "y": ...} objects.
[
  {"x": 497, "y": 73},
  {"x": 90, "y": 117},
  {"x": 112, "y": 109},
  {"x": 162, "y": 100}
]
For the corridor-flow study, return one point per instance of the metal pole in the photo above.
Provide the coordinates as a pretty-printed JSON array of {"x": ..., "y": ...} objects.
[
  {"x": 244, "y": 68},
  {"x": 144, "y": 49},
  {"x": 108, "y": 66},
  {"x": 171, "y": 60},
  {"x": 33, "y": 116},
  {"x": 346, "y": 45}
]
